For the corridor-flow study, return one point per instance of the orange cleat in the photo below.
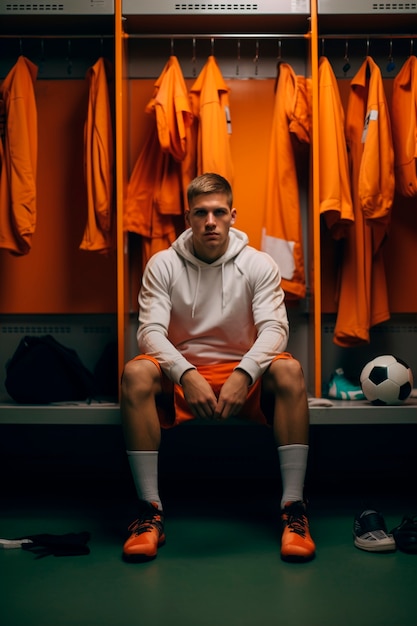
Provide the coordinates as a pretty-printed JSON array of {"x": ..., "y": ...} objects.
[
  {"x": 147, "y": 534},
  {"x": 296, "y": 541}
]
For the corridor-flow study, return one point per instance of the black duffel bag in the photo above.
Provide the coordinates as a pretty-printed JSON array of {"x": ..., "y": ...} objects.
[{"x": 42, "y": 370}]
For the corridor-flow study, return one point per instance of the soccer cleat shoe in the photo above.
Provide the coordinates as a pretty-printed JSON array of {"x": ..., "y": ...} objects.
[
  {"x": 296, "y": 541},
  {"x": 147, "y": 534},
  {"x": 405, "y": 535},
  {"x": 370, "y": 532},
  {"x": 342, "y": 389}
]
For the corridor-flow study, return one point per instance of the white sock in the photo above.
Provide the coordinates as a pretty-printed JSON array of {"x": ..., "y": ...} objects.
[
  {"x": 293, "y": 463},
  {"x": 144, "y": 468}
]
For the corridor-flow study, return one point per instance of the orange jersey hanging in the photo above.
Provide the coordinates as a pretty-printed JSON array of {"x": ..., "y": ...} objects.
[
  {"x": 171, "y": 107},
  {"x": 335, "y": 197},
  {"x": 18, "y": 158},
  {"x": 210, "y": 104},
  {"x": 363, "y": 300},
  {"x": 155, "y": 198},
  {"x": 98, "y": 161},
  {"x": 404, "y": 127},
  {"x": 282, "y": 231}
]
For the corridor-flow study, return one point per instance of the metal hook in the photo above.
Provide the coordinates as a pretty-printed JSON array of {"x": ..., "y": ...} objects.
[
  {"x": 101, "y": 46},
  {"x": 172, "y": 46},
  {"x": 238, "y": 57},
  {"x": 194, "y": 57},
  {"x": 279, "y": 50},
  {"x": 212, "y": 46},
  {"x": 69, "y": 61},
  {"x": 21, "y": 47},
  {"x": 390, "y": 64},
  {"x": 42, "y": 59},
  {"x": 256, "y": 58},
  {"x": 411, "y": 47},
  {"x": 322, "y": 46},
  {"x": 346, "y": 66},
  {"x": 367, "y": 47}
]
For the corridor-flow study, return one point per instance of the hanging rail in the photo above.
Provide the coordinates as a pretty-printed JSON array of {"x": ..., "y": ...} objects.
[
  {"x": 218, "y": 36},
  {"x": 27, "y": 36},
  {"x": 367, "y": 36}
]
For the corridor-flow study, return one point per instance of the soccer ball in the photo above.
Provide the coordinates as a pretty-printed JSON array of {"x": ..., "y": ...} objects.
[{"x": 386, "y": 380}]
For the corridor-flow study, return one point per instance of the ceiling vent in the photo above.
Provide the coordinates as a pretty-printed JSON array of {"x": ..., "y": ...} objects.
[
  {"x": 68, "y": 7},
  {"x": 173, "y": 7},
  {"x": 364, "y": 7}
]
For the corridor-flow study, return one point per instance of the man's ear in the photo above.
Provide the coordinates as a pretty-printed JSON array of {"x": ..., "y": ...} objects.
[
  {"x": 187, "y": 217},
  {"x": 233, "y": 215}
]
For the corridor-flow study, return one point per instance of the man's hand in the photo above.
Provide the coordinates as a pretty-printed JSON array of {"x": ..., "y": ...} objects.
[
  {"x": 233, "y": 395},
  {"x": 199, "y": 395}
]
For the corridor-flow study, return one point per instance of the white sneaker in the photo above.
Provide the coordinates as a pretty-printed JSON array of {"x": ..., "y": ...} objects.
[{"x": 370, "y": 532}]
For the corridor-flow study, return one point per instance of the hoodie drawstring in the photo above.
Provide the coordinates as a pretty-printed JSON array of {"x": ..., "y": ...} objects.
[
  {"x": 196, "y": 291},
  {"x": 223, "y": 294}
]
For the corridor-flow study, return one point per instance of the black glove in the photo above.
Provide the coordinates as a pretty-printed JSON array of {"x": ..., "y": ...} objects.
[{"x": 70, "y": 544}]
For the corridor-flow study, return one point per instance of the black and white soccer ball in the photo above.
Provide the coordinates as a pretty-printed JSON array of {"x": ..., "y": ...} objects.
[{"x": 386, "y": 380}]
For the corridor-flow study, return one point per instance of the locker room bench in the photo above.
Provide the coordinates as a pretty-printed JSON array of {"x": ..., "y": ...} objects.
[
  {"x": 341, "y": 412},
  {"x": 83, "y": 443}
]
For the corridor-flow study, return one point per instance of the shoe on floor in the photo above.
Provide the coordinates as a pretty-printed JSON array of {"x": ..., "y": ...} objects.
[
  {"x": 147, "y": 535},
  {"x": 296, "y": 541},
  {"x": 342, "y": 389},
  {"x": 405, "y": 535},
  {"x": 370, "y": 532}
]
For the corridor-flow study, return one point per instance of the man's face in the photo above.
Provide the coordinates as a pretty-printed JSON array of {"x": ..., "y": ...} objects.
[{"x": 210, "y": 218}]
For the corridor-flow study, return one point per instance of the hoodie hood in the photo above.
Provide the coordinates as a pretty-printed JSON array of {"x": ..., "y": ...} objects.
[{"x": 183, "y": 246}]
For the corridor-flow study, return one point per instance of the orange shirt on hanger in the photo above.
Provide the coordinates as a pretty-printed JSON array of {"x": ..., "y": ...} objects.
[
  {"x": 363, "y": 300},
  {"x": 282, "y": 231},
  {"x": 155, "y": 198},
  {"x": 210, "y": 104},
  {"x": 172, "y": 109},
  {"x": 19, "y": 158},
  {"x": 335, "y": 197},
  {"x": 404, "y": 127},
  {"x": 98, "y": 162}
]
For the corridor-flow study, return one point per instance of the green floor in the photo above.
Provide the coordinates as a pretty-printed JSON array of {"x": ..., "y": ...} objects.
[{"x": 220, "y": 565}]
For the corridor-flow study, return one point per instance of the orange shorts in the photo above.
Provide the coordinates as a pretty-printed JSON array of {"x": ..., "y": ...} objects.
[{"x": 173, "y": 408}]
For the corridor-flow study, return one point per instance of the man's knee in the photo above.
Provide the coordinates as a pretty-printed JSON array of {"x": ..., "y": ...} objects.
[
  {"x": 140, "y": 375},
  {"x": 287, "y": 373}
]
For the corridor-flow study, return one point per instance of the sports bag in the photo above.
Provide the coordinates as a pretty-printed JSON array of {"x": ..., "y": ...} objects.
[{"x": 42, "y": 370}]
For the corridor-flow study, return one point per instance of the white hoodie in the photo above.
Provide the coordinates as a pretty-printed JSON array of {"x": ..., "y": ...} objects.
[{"x": 194, "y": 313}]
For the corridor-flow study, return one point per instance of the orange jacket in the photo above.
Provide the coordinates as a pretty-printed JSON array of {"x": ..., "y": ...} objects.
[
  {"x": 404, "y": 127},
  {"x": 282, "y": 232},
  {"x": 335, "y": 197},
  {"x": 98, "y": 162},
  {"x": 363, "y": 300},
  {"x": 155, "y": 198},
  {"x": 18, "y": 158},
  {"x": 210, "y": 104}
]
